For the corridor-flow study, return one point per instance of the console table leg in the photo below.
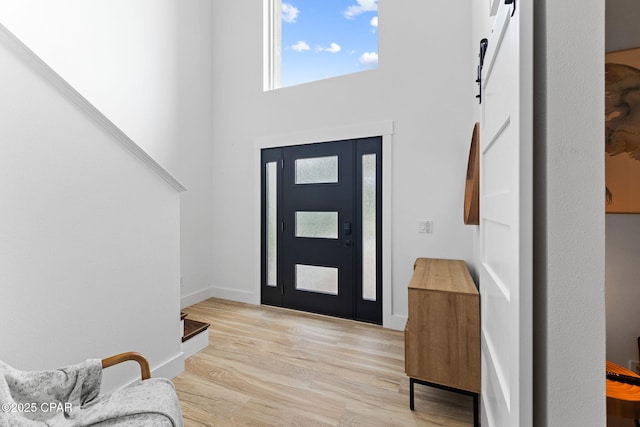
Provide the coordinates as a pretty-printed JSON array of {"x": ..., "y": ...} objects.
[
  {"x": 475, "y": 396},
  {"x": 476, "y": 413},
  {"x": 411, "y": 405}
]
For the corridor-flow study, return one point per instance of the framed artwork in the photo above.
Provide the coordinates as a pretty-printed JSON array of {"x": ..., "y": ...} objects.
[{"x": 622, "y": 131}]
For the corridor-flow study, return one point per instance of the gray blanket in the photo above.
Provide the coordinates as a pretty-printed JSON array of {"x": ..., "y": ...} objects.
[{"x": 70, "y": 397}]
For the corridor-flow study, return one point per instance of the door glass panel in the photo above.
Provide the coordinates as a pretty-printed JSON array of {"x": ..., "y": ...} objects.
[
  {"x": 317, "y": 279},
  {"x": 317, "y": 224},
  {"x": 317, "y": 170},
  {"x": 369, "y": 227},
  {"x": 272, "y": 222}
]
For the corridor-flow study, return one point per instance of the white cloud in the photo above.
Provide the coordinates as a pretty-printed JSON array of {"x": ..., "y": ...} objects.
[
  {"x": 301, "y": 46},
  {"x": 289, "y": 13},
  {"x": 334, "y": 48},
  {"x": 362, "y": 7},
  {"x": 374, "y": 22},
  {"x": 369, "y": 59}
]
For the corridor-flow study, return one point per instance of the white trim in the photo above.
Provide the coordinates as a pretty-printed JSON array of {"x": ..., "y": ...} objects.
[
  {"x": 396, "y": 322},
  {"x": 196, "y": 297},
  {"x": 248, "y": 297},
  {"x": 272, "y": 44},
  {"x": 222, "y": 293},
  {"x": 169, "y": 369},
  {"x": 41, "y": 68},
  {"x": 388, "y": 318},
  {"x": 382, "y": 128},
  {"x": 354, "y": 131}
]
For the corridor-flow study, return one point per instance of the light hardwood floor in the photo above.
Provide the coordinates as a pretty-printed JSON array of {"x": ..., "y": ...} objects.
[{"x": 267, "y": 366}]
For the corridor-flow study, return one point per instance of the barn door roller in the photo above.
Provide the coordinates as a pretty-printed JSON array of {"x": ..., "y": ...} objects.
[
  {"x": 483, "y": 50},
  {"x": 514, "y": 5}
]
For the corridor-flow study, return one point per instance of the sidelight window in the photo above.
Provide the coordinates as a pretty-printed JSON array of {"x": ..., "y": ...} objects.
[{"x": 271, "y": 213}]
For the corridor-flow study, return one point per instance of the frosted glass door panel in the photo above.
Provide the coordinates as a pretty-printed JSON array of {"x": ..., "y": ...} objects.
[
  {"x": 317, "y": 279},
  {"x": 272, "y": 222},
  {"x": 317, "y": 224},
  {"x": 369, "y": 244},
  {"x": 317, "y": 170}
]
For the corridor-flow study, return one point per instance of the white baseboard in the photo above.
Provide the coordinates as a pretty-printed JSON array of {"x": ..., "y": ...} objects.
[
  {"x": 169, "y": 369},
  {"x": 117, "y": 380},
  {"x": 196, "y": 297},
  {"x": 236, "y": 295},
  {"x": 396, "y": 322},
  {"x": 223, "y": 293}
]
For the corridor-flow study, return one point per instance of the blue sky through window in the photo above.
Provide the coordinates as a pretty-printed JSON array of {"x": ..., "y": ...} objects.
[{"x": 327, "y": 38}]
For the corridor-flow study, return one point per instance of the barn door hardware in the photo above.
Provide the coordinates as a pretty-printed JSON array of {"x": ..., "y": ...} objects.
[
  {"x": 483, "y": 51},
  {"x": 514, "y": 5}
]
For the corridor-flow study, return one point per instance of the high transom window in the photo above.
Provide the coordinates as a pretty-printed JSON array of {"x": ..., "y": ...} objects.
[{"x": 309, "y": 40}]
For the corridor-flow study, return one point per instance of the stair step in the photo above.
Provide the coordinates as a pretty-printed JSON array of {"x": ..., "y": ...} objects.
[
  {"x": 193, "y": 328},
  {"x": 182, "y": 315}
]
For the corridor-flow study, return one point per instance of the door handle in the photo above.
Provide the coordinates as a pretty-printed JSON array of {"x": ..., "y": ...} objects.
[
  {"x": 347, "y": 243},
  {"x": 347, "y": 228}
]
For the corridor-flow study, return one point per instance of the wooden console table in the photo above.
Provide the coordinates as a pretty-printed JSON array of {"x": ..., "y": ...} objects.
[{"x": 442, "y": 335}]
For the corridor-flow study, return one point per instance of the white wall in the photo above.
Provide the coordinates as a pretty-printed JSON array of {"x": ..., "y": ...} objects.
[
  {"x": 120, "y": 54},
  {"x": 89, "y": 254},
  {"x": 146, "y": 65},
  {"x": 191, "y": 160},
  {"x": 421, "y": 84},
  {"x": 569, "y": 226}
]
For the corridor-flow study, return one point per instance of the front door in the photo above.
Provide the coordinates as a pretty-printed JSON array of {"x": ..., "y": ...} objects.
[{"x": 321, "y": 228}]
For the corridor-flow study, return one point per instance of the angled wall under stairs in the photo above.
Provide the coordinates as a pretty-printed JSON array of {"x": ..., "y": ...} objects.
[{"x": 90, "y": 231}]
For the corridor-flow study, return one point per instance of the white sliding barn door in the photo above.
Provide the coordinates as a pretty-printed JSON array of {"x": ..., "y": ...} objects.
[{"x": 506, "y": 219}]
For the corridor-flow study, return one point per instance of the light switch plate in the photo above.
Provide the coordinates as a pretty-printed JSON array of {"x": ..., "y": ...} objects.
[{"x": 425, "y": 227}]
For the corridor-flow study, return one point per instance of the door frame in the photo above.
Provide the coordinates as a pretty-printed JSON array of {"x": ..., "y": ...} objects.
[{"x": 382, "y": 128}]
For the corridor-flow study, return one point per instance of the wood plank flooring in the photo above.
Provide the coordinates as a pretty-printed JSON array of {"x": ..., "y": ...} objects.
[{"x": 267, "y": 366}]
